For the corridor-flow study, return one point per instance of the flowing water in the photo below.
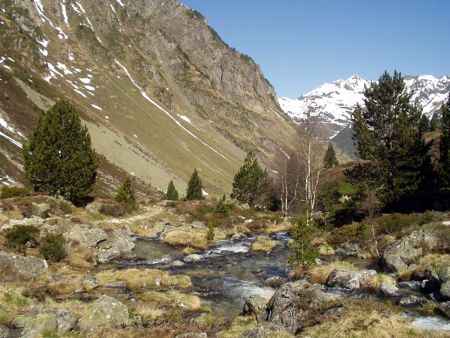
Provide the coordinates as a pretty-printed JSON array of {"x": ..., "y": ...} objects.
[{"x": 228, "y": 273}]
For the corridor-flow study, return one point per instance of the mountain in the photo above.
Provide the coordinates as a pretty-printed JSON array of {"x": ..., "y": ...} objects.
[
  {"x": 335, "y": 101},
  {"x": 160, "y": 92}
]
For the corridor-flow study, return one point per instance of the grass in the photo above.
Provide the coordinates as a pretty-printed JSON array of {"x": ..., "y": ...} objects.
[
  {"x": 438, "y": 262},
  {"x": 319, "y": 274},
  {"x": 171, "y": 299},
  {"x": 262, "y": 243},
  {"x": 374, "y": 283},
  {"x": 137, "y": 280},
  {"x": 12, "y": 302}
]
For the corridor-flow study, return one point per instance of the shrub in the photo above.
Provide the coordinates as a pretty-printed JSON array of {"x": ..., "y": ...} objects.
[
  {"x": 20, "y": 236},
  {"x": 304, "y": 254},
  {"x": 65, "y": 207},
  {"x": 427, "y": 217},
  {"x": 349, "y": 233},
  {"x": 210, "y": 233},
  {"x": 392, "y": 223},
  {"x": 52, "y": 248},
  {"x": 113, "y": 210},
  {"x": 8, "y": 192},
  {"x": 223, "y": 208}
]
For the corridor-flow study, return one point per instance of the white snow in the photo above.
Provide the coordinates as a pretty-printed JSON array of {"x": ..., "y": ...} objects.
[
  {"x": 96, "y": 107},
  {"x": 44, "y": 52},
  {"x": 204, "y": 193},
  {"x": 10, "y": 139},
  {"x": 71, "y": 56},
  {"x": 64, "y": 68},
  {"x": 112, "y": 8},
  {"x": 85, "y": 80},
  {"x": 120, "y": 3},
  {"x": 80, "y": 92},
  {"x": 144, "y": 94},
  {"x": 75, "y": 8},
  {"x": 64, "y": 12},
  {"x": 40, "y": 9},
  {"x": 107, "y": 117},
  {"x": 89, "y": 87},
  {"x": 185, "y": 118},
  {"x": 5, "y": 125}
]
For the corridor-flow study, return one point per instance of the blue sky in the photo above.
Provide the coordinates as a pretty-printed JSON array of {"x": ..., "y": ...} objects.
[{"x": 301, "y": 44}]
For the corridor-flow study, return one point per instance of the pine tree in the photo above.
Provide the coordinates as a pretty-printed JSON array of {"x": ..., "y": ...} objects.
[
  {"x": 424, "y": 124},
  {"x": 251, "y": 184},
  {"x": 172, "y": 193},
  {"x": 195, "y": 187},
  {"x": 434, "y": 123},
  {"x": 330, "y": 159},
  {"x": 444, "y": 149},
  {"x": 125, "y": 194},
  {"x": 304, "y": 253},
  {"x": 389, "y": 139},
  {"x": 58, "y": 158}
]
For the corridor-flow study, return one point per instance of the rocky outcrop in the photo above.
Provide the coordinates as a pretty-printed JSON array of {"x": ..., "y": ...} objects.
[
  {"x": 120, "y": 245},
  {"x": 352, "y": 280},
  {"x": 36, "y": 324},
  {"x": 254, "y": 305},
  {"x": 297, "y": 305},
  {"x": 86, "y": 236},
  {"x": 399, "y": 255},
  {"x": 267, "y": 330},
  {"x": 275, "y": 281},
  {"x": 104, "y": 312},
  {"x": 444, "y": 309},
  {"x": 13, "y": 265}
]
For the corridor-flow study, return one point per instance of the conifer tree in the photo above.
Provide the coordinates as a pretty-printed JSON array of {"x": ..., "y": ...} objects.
[
  {"x": 330, "y": 159},
  {"x": 58, "y": 158},
  {"x": 444, "y": 149},
  {"x": 389, "y": 139},
  {"x": 434, "y": 123},
  {"x": 125, "y": 194},
  {"x": 195, "y": 187},
  {"x": 424, "y": 124},
  {"x": 172, "y": 193},
  {"x": 251, "y": 184}
]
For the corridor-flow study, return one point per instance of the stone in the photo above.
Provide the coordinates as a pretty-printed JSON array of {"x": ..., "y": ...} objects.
[
  {"x": 326, "y": 250},
  {"x": 412, "y": 301},
  {"x": 352, "y": 280},
  {"x": 90, "y": 283},
  {"x": 55, "y": 319},
  {"x": 238, "y": 236},
  {"x": 65, "y": 319},
  {"x": 28, "y": 267},
  {"x": 389, "y": 289},
  {"x": 193, "y": 335},
  {"x": 4, "y": 331},
  {"x": 400, "y": 254},
  {"x": 412, "y": 285},
  {"x": 443, "y": 308},
  {"x": 193, "y": 258},
  {"x": 120, "y": 246},
  {"x": 445, "y": 289},
  {"x": 41, "y": 209},
  {"x": 88, "y": 237},
  {"x": 104, "y": 312},
  {"x": 349, "y": 250},
  {"x": 177, "y": 264},
  {"x": 275, "y": 281},
  {"x": 267, "y": 330},
  {"x": 254, "y": 305}
]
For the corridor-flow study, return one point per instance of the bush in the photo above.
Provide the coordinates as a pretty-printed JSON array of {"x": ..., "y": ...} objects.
[
  {"x": 210, "y": 233},
  {"x": 113, "y": 210},
  {"x": 350, "y": 233},
  {"x": 427, "y": 217},
  {"x": 65, "y": 207},
  {"x": 8, "y": 192},
  {"x": 392, "y": 223},
  {"x": 20, "y": 236},
  {"x": 304, "y": 254},
  {"x": 52, "y": 248},
  {"x": 223, "y": 208}
]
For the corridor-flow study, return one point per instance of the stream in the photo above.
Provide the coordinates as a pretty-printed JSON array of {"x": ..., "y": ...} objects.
[{"x": 228, "y": 273}]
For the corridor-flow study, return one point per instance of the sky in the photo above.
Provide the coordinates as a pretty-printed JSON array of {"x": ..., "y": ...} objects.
[{"x": 301, "y": 44}]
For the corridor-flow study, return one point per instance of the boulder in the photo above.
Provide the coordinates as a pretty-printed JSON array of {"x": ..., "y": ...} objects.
[
  {"x": 56, "y": 319},
  {"x": 193, "y": 335},
  {"x": 400, "y": 254},
  {"x": 193, "y": 258},
  {"x": 267, "y": 330},
  {"x": 121, "y": 245},
  {"x": 275, "y": 281},
  {"x": 254, "y": 305},
  {"x": 177, "y": 264},
  {"x": 4, "y": 331},
  {"x": 444, "y": 278},
  {"x": 28, "y": 267},
  {"x": 90, "y": 283},
  {"x": 104, "y": 312},
  {"x": 352, "y": 280},
  {"x": 297, "y": 305},
  {"x": 443, "y": 308},
  {"x": 389, "y": 289},
  {"x": 349, "y": 250},
  {"x": 88, "y": 237},
  {"x": 412, "y": 301}
]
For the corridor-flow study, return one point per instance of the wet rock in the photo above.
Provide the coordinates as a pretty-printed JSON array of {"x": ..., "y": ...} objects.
[
  {"x": 121, "y": 245},
  {"x": 35, "y": 324},
  {"x": 104, "y": 312},
  {"x": 238, "y": 236},
  {"x": 348, "y": 279},
  {"x": 28, "y": 267},
  {"x": 399, "y": 255},
  {"x": 4, "y": 331},
  {"x": 166, "y": 260},
  {"x": 297, "y": 305},
  {"x": 267, "y": 330},
  {"x": 349, "y": 250},
  {"x": 275, "y": 281},
  {"x": 389, "y": 289},
  {"x": 192, "y": 335},
  {"x": 254, "y": 305},
  {"x": 445, "y": 283},
  {"x": 88, "y": 237},
  {"x": 326, "y": 250},
  {"x": 90, "y": 283},
  {"x": 412, "y": 301},
  {"x": 412, "y": 285},
  {"x": 193, "y": 258},
  {"x": 177, "y": 264},
  {"x": 444, "y": 309}
]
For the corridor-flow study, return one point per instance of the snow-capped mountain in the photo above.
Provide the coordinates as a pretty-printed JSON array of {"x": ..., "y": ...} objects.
[{"x": 335, "y": 101}]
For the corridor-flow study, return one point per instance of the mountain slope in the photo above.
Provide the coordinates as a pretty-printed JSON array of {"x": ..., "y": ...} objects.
[{"x": 160, "y": 92}]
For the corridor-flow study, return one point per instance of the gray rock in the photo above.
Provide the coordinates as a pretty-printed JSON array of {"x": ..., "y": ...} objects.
[
  {"x": 275, "y": 281},
  {"x": 90, "y": 283},
  {"x": 266, "y": 330},
  {"x": 445, "y": 289},
  {"x": 28, "y": 267},
  {"x": 412, "y": 301},
  {"x": 351, "y": 280},
  {"x": 65, "y": 319},
  {"x": 254, "y": 305},
  {"x": 389, "y": 290},
  {"x": 400, "y": 254},
  {"x": 349, "y": 250},
  {"x": 121, "y": 245},
  {"x": 4, "y": 331},
  {"x": 192, "y": 335},
  {"x": 444, "y": 308},
  {"x": 412, "y": 285},
  {"x": 41, "y": 209},
  {"x": 238, "y": 236},
  {"x": 56, "y": 319},
  {"x": 193, "y": 258},
  {"x": 88, "y": 237},
  {"x": 104, "y": 312},
  {"x": 177, "y": 264}
]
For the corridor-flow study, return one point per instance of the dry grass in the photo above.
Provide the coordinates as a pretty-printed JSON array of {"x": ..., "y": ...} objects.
[
  {"x": 281, "y": 227},
  {"x": 12, "y": 302},
  {"x": 136, "y": 279},
  {"x": 263, "y": 243},
  {"x": 319, "y": 274},
  {"x": 171, "y": 299},
  {"x": 437, "y": 262},
  {"x": 374, "y": 283}
]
